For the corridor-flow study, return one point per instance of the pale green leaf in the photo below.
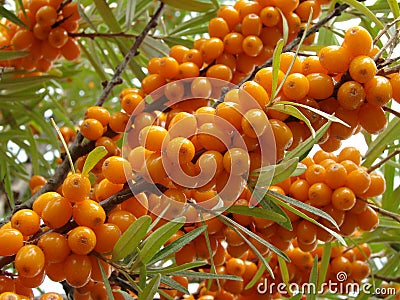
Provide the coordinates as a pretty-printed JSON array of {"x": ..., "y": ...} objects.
[
  {"x": 151, "y": 288},
  {"x": 256, "y": 212},
  {"x": 313, "y": 280},
  {"x": 364, "y": 10},
  {"x": 105, "y": 280},
  {"x": 190, "y": 5},
  {"x": 5, "y": 54},
  {"x": 93, "y": 158},
  {"x": 325, "y": 259}
]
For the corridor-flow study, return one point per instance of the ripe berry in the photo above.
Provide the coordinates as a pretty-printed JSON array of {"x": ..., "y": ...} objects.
[
  {"x": 29, "y": 261},
  {"x": 76, "y": 187},
  {"x": 11, "y": 240},
  {"x": 81, "y": 240},
  {"x": 26, "y": 221}
]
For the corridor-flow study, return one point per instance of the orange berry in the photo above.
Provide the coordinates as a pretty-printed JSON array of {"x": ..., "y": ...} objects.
[
  {"x": 351, "y": 95},
  {"x": 71, "y": 50},
  {"x": 362, "y": 68},
  {"x": 378, "y": 91},
  {"x": 358, "y": 41},
  {"x": 81, "y": 240},
  {"x": 58, "y": 37},
  {"x": 29, "y": 261},
  {"x": 395, "y": 83},
  {"x": 70, "y": 11},
  {"x": 26, "y": 221},
  {"x": 368, "y": 220},
  {"x": 77, "y": 270},
  {"x": 252, "y": 45},
  {"x": 54, "y": 246},
  {"x": 335, "y": 59},
  {"x": 372, "y": 118},
  {"x": 168, "y": 67},
  {"x": 296, "y": 86},
  {"x": 218, "y": 27},
  {"x": 107, "y": 235},
  {"x": 343, "y": 198},
  {"x": 11, "y": 240},
  {"x": 320, "y": 86},
  {"x": 57, "y": 212},
  {"x": 270, "y": 16},
  {"x": 76, "y": 187},
  {"x": 46, "y": 15}
]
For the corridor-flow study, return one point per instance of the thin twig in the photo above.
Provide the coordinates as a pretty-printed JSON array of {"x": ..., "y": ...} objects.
[
  {"x": 389, "y": 70},
  {"x": 383, "y": 161},
  {"x": 385, "y": 212},
  {"x": 387, "y": 278}
]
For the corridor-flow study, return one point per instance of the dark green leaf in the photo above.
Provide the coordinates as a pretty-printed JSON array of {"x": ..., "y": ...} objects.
[
  {"x": 203, "y": 275},
  {"x": 11, "y": 17},
  {"x": 256, "y": 212},
  {"x": 313, "y": 290},
  {"x": 326, "y": 255},
  {"x": 105, "y": 280},
  {"x": 190, "y": 5},
  {"x": 174, "y": 285}
]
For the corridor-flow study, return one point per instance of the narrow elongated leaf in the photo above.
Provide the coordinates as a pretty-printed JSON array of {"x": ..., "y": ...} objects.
[
  {"x": 193, "y": 22},
  {"x": 107, "y": 15},
  {"x": 256, "y": 212},
  {"x": 152, "y": 47},
  {"x": 173, "y": 269},
  {"x": 174, "y": 285},
  {"x": 394, "y": 6},
  {"x": 93, "y": 158},
  {"x": 131, "y": 238},
  {"x": 295, "y": 112},
  {"x": 177, "y": 244},
  {"x": 312, "y": 295},
  {"x": 203, "y": 275},
  {"x": 276, "y": 61},
  {"x": 151, "y": 288},
  {"x": 364, "y": 10},
  {"x": 326, "y": 256},
  {"x": 130, "y": 13},
  {"x": 190, "y": 5},
  {"x": 256, "y": 277},
  {"x": 4, "y": 55},
  {"x": 284, "y": 272},
  {"x": 11, "y": 17},
  {"x": 302, "y": 149},
  {"x": 157, "y": 239},
  {"x": 105, "y": 280}
]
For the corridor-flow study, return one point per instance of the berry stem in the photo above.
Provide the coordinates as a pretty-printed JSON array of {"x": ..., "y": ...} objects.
[{"x": 383, "y": 161}]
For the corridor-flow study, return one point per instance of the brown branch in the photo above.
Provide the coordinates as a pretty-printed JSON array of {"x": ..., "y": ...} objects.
[
  {"x": 383, "y": 161},
  {"x": 389, "y": 70},
  {"x": 105, "y": 35},
  {"x": 392, "y": 111},
  {"x": 385, "y": 212}
]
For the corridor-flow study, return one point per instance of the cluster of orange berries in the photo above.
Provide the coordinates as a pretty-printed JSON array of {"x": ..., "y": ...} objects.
[
  {"x": 45, "y": 35},
  {"x": 349, "y": 262}
]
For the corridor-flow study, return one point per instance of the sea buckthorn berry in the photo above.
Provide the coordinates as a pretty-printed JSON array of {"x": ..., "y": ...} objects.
[
  {"x": 378, "y": 91},
  {"x": 76, "y": 187},
  {"x": 350, "y": 117},
  {"x": 304, "y": 10},
  {"x": 236, "y": 161},
  {"x": 153, "y": 65},
  {"x": 362, "y": 68},
  {"x": 168, "y": 67},
  {"x": 372, "y": 118},
  {"x": 299, "y": 190},
  {"x": 92, "y": 129},
  {"x": 106, "y": 189},
  {"x": 51, "y": 296},
  {"x": 341, "y": 264},
  {"x": 116, "y": 169},
  {"x": 286, "y": 60},
  {"x": 315, "y": 173},
  {"x": 54, "y": 246},
  {"x": 95, "y": 275},
  {"x": 296, "y": 86},
  {"x": 264, "y": 78},
  {"x": 26, "y": 221},
  {"x": 58, "y": 37},
  {"x": 9, "y": 296},
  {"x": 220, "y": 71},
  {"x": 178, "y": 52},
  {"x": 377, "y": 186},
  {"x": 335, "y": 59},
  {"x": 319, "y": 194},
  {"x": 180, "y": 149},
  {"x": 152, "y": 82},
  {"x": 77, "y": 270},
  {"x": 41, "y": 201},
  {"x": 230, "y": 15},
  {"x": 57, "y": 212},
  {"x": 306, "y": 232},
  {"x": 133, "y": 104},
  {"x": 270, "y": 16},
  {"x": 201, "y": 87},
  {"x": 252, "y": 45},
  {"x": 230, "y": 115},
  {"x": 107, "y": 235},
  {"x": 11, "y": 240},
  {"x": 358, "y": 41},
  {"x": 152, "y": 137},
  {"x": 368, "y": 220},
  {"x": 300, "y": 133},
  {"x": 343, "y": 198},
  {"x": 350, "y": 153},
  {"x": 70, "y": 11},
  {"x": 286, "y": 6},
  {"x": 153, "y": 169},
  {"x": 218, "y": 27},
  {"x": 282, "y": 134},
  {"x": 194, "y": 56},
  {"x": 311, "y": 64},
  {"x": 358, "y": 181},
  {"x": 81, "y": 240},
  {"x": 70, "y": 50},
  {"x": 335, "y": 175},
  {"x": 233, "y": 43},
  {"x": 321, "y": 86},
  {"x": 212, "y": 137},
  {"x": 395, "y": 83},
  {"x": 359, "y": 270},
  {"x": 88, "y": 213},
  {"x": 254, "y": 123},
  {"x": 122, "y": 218},
  {"x": 22, "y": 39},
  {"x": 351, "y": 95},
  {"x": 211, "y": 49},
  {"x": 174, "y": 91},
  {"x": 250, "y": 91},
  {"x": 46, "y": 15},
  {"x": 251, "y": 25},
  {"x": 29, "y": 261},
  {"x": 235, "y": 266}
]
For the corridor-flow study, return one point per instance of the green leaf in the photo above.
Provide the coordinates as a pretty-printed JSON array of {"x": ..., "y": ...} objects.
[
  {"x": 105, "y": 280},
  {"x": 177, "y": 244},
  {"x": 124, "y": 294},
  {"x": 276, "y": 61},
  {"x": 317, "y": 111},
  {"x": 93, "y": 158},
  {"x": 285, "y": 27},
  {"x": 192, "y": 23},
  {"x": 107, "y": 15},
  {"x": 177, "y": 40},
  {"x": 326, "y": 256},
  {"x": 152, "y": 47},
  {"x": 295, "y": 112},
  {"x": 151, "y": 288},
  {"x": 5, "y": 54},
  {"x": 131, "y": 238},
  {"x": 157, "y": 239},
  {"x": 203, "y": 275},
  {"x": 11, "y": 17},
  {"x": 130, "y": 13},
  {"x": 394, "y": 6},
  {"x": 360, "y": 7},
  {"x": 190, "y": 5},
  {"x": 270, "y": 175},
  {"x": 173, "y": 269},
  {"x": 256, "y": 277},
  {"x": 174, "y": 285},
  {"x": 284, "y": 272},
  {"x": 313, "y": 280},
  {"x": 256, "y": 212},
  {"x": 302, "y": 149}
]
